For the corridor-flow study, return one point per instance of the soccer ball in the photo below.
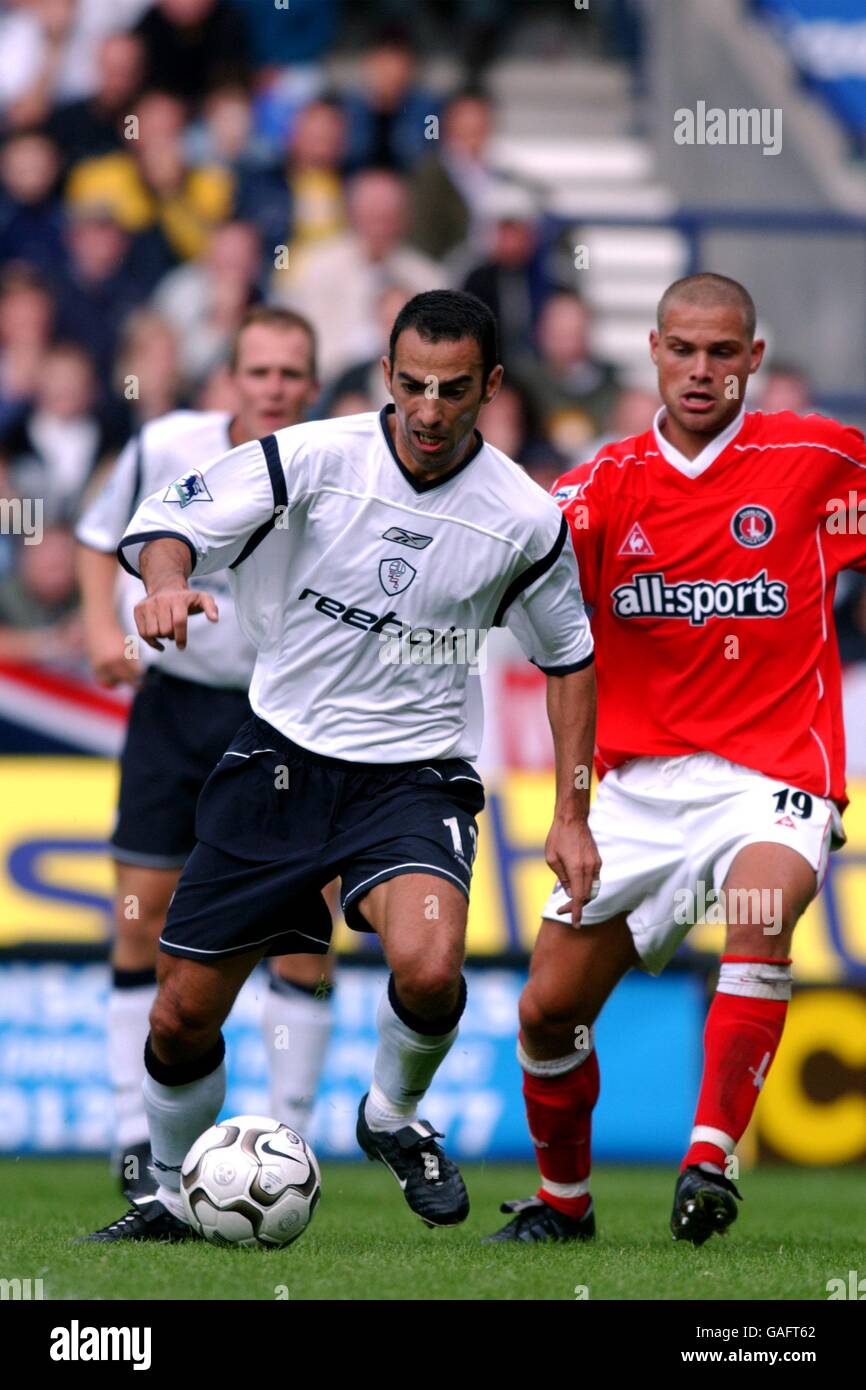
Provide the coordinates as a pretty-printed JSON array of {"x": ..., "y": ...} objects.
[{"x": 250, "y": 1181}]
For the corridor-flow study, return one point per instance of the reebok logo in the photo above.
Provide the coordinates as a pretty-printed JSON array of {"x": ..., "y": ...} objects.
[
  {"x": 648, "y": 596},
  {"x": 410, "y": 538}
]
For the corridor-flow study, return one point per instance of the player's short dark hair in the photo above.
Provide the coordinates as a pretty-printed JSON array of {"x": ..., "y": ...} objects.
[
  {"x": 275, "y": 317},
  {"x": 450, "y": 315},
  {"x": 708, "y": 289}
]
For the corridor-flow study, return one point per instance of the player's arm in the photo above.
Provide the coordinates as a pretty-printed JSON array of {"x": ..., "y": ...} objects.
[
  {"x": 570, "y": 849},
  {"x": 104, "y": 639},
  {"x": 165, "y": 566},
  {"x": 97, "y": 533},
  {"x": 544, "y": 609},
  {"x": 207, "y": 520}
]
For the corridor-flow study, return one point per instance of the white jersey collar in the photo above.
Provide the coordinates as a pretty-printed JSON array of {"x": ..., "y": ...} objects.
[{"x": 693, "y": 468}]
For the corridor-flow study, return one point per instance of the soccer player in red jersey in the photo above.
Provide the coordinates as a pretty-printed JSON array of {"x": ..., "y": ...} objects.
[{"x": 708, "y": 548}]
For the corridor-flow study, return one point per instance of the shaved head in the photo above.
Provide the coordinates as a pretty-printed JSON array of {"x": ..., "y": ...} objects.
[{"x": 708, "y": 291}]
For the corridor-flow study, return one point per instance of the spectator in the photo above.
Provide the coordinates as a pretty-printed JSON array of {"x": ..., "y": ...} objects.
[
  {"x": 633, "y": 412},
  {"x": 192, "y": 45},
  {"x": 785, "y": 387},
  {"x": 509, "y": 424},
  {"x": 94, "y": 125},
  {"x": 573, "y": 391},
  {"x": 388, "y": 115},
  {"x": 150, "y": 187},
  {"x": 337, "y": 285},
  {"x": 98, "y": 286},
  {"x": 451, "y": 186},
  {"x": 205, "y": 300},
  {"x": 26, "y": 323},
  {"x": 511, "y": 281},
  {"x": 311, "y": 188},
  {"x": 53, "y": 450},
  {"x": 148, "y": 378},
  {"x": 365, "y": 380},
  {"x": 30, "y": 208},
  {"x": 39, "y": 619}
]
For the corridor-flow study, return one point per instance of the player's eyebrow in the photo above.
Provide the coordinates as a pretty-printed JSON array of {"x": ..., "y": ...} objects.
[
  {"x": 672, "y": 338},
  {"x": 452, "y": 381}
]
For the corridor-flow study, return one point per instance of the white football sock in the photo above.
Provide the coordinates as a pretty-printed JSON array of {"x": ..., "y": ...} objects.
[
  {"x": 128, "y": 1027},
  {"x": 296, "y": 1027},
  {"x": 406, "y": 1062},
  {"x": 177, "y": 1115}
]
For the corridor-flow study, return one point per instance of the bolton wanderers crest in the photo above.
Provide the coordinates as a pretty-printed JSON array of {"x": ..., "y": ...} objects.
[{"x": 395, "y": 575}]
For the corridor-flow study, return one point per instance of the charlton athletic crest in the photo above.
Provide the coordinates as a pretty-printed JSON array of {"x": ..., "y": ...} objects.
[
  {"x": 395, "y": 575},
  {"x": 752, "y": 526}
]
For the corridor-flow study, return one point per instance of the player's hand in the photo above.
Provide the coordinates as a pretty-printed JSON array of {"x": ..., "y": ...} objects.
[
  {"x": 165, "y": 613},
  {"x": 572, "y": 855},
  {"x": 113, "y": 663}
]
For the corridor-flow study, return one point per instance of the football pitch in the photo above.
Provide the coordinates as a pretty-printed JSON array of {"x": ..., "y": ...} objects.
[{"x": 796, "y": 1230}]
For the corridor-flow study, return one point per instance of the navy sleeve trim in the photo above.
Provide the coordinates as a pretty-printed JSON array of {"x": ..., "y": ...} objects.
[
  {"x": 281, "y": 497},
  {"x": 567, "y": 670},
  {"x": 137, "y": 478},
  {"x": 530, "y": 575},
  {"x": 143, "y": 537}
]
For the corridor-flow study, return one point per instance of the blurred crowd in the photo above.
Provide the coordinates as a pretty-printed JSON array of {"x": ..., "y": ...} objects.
[{"x": 165, "y": 164}]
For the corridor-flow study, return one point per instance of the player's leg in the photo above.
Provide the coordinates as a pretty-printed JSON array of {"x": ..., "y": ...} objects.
[
  {"x": 141, "y": 901},
  {"x": 297, "y": 1021},
  {"x": 572, "y": 973},
  {"x": 766, "y": 891},
  {"x": 421, "y": 922},
  {"x": 184, "y": 1087}
]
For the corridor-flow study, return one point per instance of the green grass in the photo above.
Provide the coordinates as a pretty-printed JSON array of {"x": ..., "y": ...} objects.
[{"x": 796, "y": 1230}]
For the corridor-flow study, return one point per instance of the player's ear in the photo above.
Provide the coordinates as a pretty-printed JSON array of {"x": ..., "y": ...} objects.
[
  {"x": 654, "y": 344},
  {"x": 494, "y": 381},
  {"x": 758, "y": 349},
  {"x": 386, "y": 372}
]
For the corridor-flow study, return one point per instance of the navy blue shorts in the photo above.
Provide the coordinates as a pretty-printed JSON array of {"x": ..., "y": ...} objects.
[
  {"x": 178, "y": 731},
  {"x": 276, "y": 823}
]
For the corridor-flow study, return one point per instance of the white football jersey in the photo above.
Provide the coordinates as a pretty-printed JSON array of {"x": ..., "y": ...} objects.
[
  {"x": 367, "y": 591},
  {"x": 215, "y": 655}
]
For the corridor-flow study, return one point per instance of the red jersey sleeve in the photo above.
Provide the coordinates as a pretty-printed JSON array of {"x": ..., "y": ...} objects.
[
  {"x": 578, "y": 493},
  {"x": 842, "y": 498}
]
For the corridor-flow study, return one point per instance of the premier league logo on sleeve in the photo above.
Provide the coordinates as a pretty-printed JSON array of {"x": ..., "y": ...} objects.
[
  {"x": 752, "y": 526},
  {"x": 191, "y": 487},
  {"x": 395, "y": 575}
]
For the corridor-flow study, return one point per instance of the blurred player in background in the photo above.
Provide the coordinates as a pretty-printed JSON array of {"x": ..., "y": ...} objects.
[
  {"x": 708, "y": 548},
  {"x": 188, "y": 707}
]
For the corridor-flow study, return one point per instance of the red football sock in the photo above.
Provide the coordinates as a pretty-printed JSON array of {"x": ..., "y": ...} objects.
[
  {"x": 741, "y": 1036},
  {"x": 559, "y": 1113}
]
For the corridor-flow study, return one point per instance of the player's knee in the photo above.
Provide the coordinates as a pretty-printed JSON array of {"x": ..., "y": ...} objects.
[
  {"x": 545, "y": 1017},
  {"x": 428, "y": 987},
  {"x": 179, "y": 1028}
]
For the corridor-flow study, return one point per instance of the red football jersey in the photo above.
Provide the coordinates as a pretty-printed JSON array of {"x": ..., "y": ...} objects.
[{"x": 712, "y": 594}]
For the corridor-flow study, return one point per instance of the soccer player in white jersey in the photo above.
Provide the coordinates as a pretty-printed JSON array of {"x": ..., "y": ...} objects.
[
  {"x": 188, "y": 707},
  {"x": 363, "y": 552}
]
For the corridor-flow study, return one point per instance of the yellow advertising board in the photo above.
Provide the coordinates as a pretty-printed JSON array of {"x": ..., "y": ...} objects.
[{"x": 56, "y": 878}]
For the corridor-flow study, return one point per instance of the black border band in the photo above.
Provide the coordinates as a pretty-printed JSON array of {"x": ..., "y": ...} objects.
[
  {"x": 529, "y": 575},
  {"x": 281, "y": 497},
  {"x": 567, "y": 670},
  {"x": 144, "y": 537}
]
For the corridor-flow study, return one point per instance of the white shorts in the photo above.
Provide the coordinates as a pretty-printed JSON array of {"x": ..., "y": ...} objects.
[{"x": 668, "y": 829}]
